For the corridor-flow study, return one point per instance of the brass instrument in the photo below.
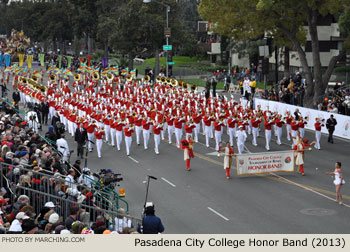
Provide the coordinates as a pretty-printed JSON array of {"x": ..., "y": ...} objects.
[
  {"x": 174, "y": 82},
  {"x": 169, "y": 81},
  {"x": 129, "y": 77},
  {"x": 158, "y": 79},
  {"x": 77, "y": 77},
  {"x": 194, "y": 87},
  {"x": 96, "y": 76},
  {"x": 52, "y": 77},
  {"x": 185, "y": 86},
  {"x": 35, "y": 78},
  {"x": 147, "y": 78},
  {"x": 24, "y": 81},
  {"x": 109, "y": 76},
  {"x": 163, "y": 80},
  {"x": 180, "y": 84}
]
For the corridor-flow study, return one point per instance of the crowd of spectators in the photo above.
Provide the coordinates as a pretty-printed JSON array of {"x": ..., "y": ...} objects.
[
  {"x": 30, "y": 169},
  {"x": 336, "y": 100}
]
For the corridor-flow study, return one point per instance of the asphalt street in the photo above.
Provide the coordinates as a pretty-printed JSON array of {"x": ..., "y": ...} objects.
[{"x": 204, "y": 201}]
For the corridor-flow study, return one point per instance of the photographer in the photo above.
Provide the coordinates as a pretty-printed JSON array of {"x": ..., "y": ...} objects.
[
  {"x": 32, "y": 119},
  {"x": 62, "y": 146},
  {"x": 86, "y": 177},
  {"x": 151, "y": 224}
]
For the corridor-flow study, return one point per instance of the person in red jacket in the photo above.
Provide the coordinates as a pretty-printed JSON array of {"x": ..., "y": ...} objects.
[
  {"x": 99, "y": 134},
  {"x": 295, "y": 128},
  {"x": 189, "y": 126},
  {"x": 138, "y": 127},
  {"x": 178, "y": 129},
  {"x": 90, "y": 129},
  {"x": 318, "y": 128},
  {"x": 170, "y": 121},
  {"x": 119, "y": 132},
  {"x": 217, "y": 129},
  {"x": 157, "y": 128},
  {"x": 268, "y": 124},
  {"x": 207, "y": 128},
  {"x": 279, "y": 123},
  {"x": 228, "y": 153},
  {"x": 146, "y": 123},
  {"x": 255, "y": 129},
  {"x": 128, "y": 130}
]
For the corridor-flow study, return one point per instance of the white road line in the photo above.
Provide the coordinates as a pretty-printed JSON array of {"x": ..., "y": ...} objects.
[
  {"x": 217, "y": 213},
  {"x": 306, "y": 188},
  {"x": 133, "y": 159},
  {"x": 168, "y": 182}
]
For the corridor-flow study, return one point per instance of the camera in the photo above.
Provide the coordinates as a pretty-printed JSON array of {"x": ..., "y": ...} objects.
[
  {"x": 108, "y": 181},
  {"x": 32, "y": 117}
]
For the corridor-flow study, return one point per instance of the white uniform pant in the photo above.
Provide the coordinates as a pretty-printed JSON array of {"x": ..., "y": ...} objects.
[
  {"x": 51, "y": 112},
  {"x": 294, "y": 137},
  {"x": 279, "y": 135},
  {"x": 108, "y": 132},
  {"x": 196, "y": 132},
  {"x": 275, "y": 129},
  {"x": 188, "y": 134},
  {"x": 170, "y": 132},
  {"x": 99, "y": 147},
  {"x": 113, "y": 133},
  {"x": 119, "y": 137},
  {"x": 217, "y": 139},
  {"x": 250, "y": 127},
  {"x": 34, "y": 125},
  {"x": 232, "y": 134},
  {"x": 302, "y": 132},
  {"x": 165, "y": 126},
  {"x": 318, "y": 139},
  {"x": 178, "y": 135},
  {"x": 145, "y": 138},
  {"x": 156, "y": 142},
  {"x": 289, "y": 131},
  {"x": 240, "y": 147},
  {"x": 91, "y": 138},
  {"x": 207, "y": 130},
  {"x": 128, "y": 141},
  {"x": 267, "y": 138},
  {"x": 211, "y": 130},
  {"x": 138, "y": 130},
  {"x": 255, "y": 135}
]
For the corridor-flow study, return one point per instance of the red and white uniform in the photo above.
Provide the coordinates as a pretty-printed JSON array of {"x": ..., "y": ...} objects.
[
  {"x": 128, "y": 138},
  {"x": 99, "y": 134}
]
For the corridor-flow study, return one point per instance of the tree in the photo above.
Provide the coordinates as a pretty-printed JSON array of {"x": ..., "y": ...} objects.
[{"x": 285, "y": 21}]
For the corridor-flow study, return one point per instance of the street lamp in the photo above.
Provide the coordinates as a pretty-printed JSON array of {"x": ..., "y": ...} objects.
[{"x": 167, "y": 10}]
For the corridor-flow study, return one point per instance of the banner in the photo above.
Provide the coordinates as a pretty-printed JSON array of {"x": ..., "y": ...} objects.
[
  {"x": 89, "y": 60},
  {"x": 1, "y": 60},
  {"x": 7, "y": 60},
  {"x": 21, "y": 59},
  {"x": 42, "y": 59},
  {"x": 342, "y": 129},
  {"x": 60, "y": 61},
  {"x": 265, "y": 162},
  {"x": 69, "y": 61},
  {"x": 29, "y": 61},
  {"x": 104, "y": 62}
]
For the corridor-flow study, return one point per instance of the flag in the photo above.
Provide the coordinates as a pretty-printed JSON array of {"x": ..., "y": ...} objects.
[{"x": 125, "y": 71}]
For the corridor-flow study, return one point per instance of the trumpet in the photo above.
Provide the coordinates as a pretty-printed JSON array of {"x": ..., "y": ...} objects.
[
  {"x": 96, "y": 76},
  {"x": 77, "y": 77},
  {"x": 52, "y": 77}
]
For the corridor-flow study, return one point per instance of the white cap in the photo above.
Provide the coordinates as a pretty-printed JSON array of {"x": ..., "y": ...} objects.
[
  {"x": 21, "y": 216},
  {"x": 49, "y": 204}
]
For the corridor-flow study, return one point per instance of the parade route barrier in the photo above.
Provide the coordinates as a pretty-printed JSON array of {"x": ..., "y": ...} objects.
[
  {"x": 265, "y": 162},
  {"x": 342, "y": 129}
]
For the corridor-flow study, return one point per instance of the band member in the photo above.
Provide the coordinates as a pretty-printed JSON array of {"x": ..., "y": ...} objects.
[
  {"x": 228, "y": 153},
  {"x": 119, "y": 132},
  {"x": 268, "y": 124},
  {"x": 107, "y": 124},
  {"x": 178, "y": 130},
  {"x": 207, "y": 130},
  {"x": 318, "y": 134},
  {"x": 196, "y": 119},
  {"x": 232, "y": 129},
  {"x": 302, "y": 122},
  {"x": 217, "y": 127},
  {"x": 295, "y": 127},
  {"x": 146, "y": 123},
  {"x": 189, "y": 128},
  {"x": 279, "y": 123},
  {"x": 128, "y": 130},
  {"x": 170, "y": 121},
  {"x": 187, "y": 146},
  {"x": 157, "y": 128},
  {"x": 138, "y": 128},
  {"x": 99, "y": 134},
  {"x": 255, "y": 126},
  {"x": 288, "y": 120},
  {"x": 241, "y": 138},
  {"x": 90, "y": 131}
]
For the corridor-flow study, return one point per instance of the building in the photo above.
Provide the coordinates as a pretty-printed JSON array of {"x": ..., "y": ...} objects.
[{"x": 209, "y": 41}]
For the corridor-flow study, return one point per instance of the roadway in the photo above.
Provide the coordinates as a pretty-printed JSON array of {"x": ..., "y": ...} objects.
[{"x": 204, "y": 201}]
